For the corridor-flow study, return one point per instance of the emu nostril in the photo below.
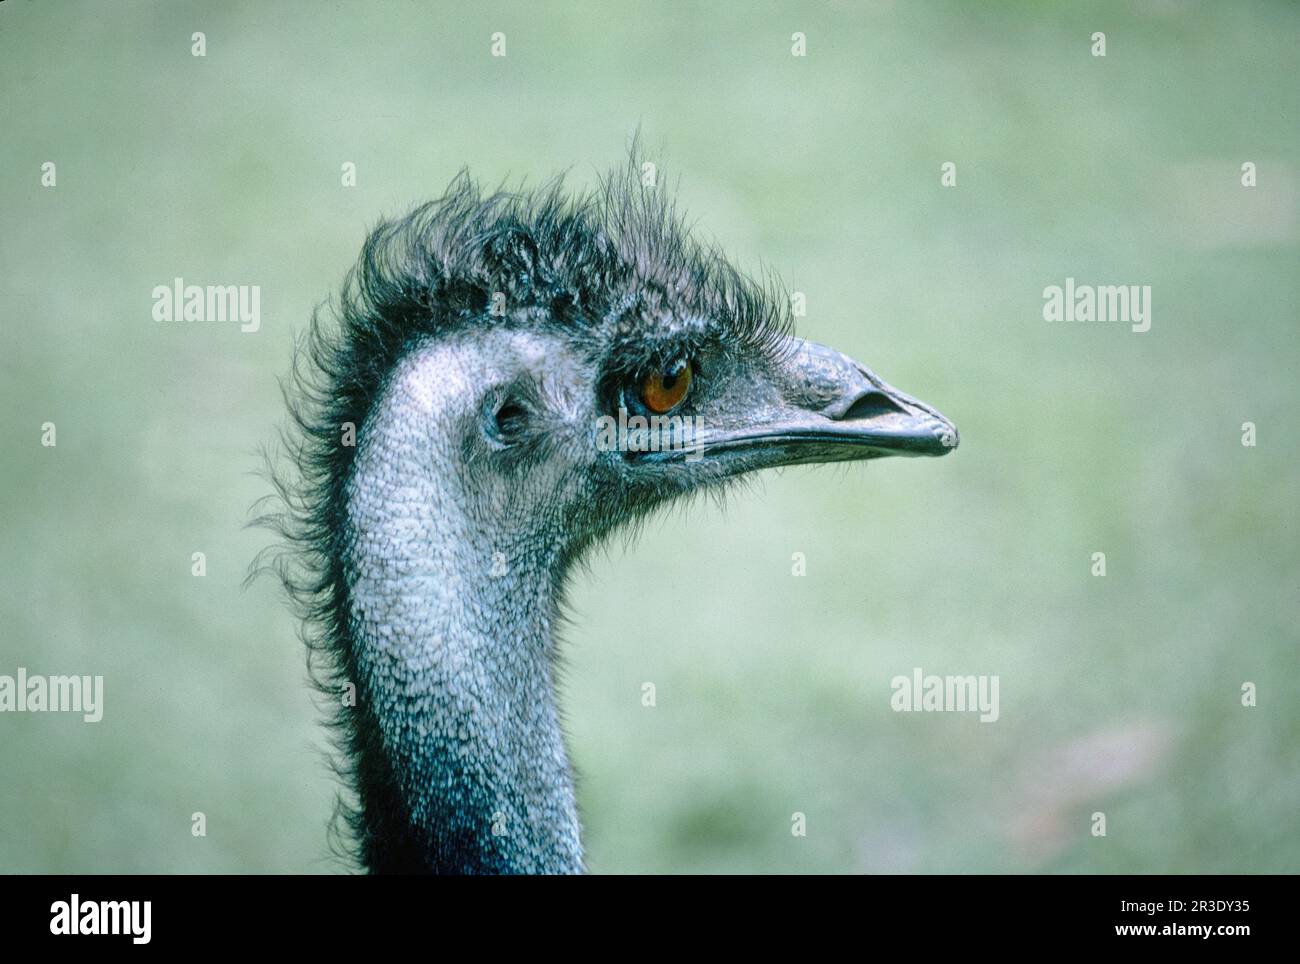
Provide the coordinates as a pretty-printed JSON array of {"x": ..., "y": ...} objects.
[{"x": 872, "y": 405}]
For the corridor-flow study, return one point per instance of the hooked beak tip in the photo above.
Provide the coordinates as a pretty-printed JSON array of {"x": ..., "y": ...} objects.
[{"x": 883, "y": 417}]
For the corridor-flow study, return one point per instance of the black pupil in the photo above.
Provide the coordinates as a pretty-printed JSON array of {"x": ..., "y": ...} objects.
[{"x": 669, "y": 378}]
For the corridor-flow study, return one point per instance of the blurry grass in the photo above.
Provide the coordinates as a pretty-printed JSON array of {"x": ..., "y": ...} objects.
[{"x": 1118, "y": 694}]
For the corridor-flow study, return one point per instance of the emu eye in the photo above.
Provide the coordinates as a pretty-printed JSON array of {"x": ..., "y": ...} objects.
[{"x": 663, "y": 391}]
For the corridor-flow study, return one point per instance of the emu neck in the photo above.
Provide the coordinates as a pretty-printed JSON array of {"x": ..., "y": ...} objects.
[{"x": 463, "y": 767}]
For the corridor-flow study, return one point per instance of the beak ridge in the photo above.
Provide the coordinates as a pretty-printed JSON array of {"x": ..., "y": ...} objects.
[{"x": 845, "y": 401}]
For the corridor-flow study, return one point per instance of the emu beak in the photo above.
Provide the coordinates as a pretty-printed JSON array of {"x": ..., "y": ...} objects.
[{"x": 829, "y": 408}]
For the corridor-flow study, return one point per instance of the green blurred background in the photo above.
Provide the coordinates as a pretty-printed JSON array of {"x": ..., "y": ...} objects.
[{"x": 1118, "y": 694}]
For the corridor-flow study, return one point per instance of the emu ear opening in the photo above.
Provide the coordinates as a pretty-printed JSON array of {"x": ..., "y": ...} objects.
[
  {"x": 507, "y": 420},
  {"x": 512, "y": 414},
  {"x": 510, "y": 419}
]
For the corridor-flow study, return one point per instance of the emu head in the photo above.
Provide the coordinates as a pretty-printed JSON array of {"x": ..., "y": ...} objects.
[{"x": 583, "y": 361}]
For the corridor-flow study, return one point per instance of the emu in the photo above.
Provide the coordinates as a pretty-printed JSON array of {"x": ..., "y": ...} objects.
[{"x": 443, "y": 478}]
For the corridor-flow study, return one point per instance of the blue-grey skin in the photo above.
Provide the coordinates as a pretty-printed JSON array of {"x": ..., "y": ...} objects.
[{"x": 475, "y": 347}]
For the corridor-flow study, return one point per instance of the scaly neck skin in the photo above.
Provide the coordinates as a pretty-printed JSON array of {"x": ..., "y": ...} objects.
[{"x": 451, "y": 635}]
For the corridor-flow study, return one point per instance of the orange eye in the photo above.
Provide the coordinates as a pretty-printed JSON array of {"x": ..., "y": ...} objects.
[{"x": 664, "y": 391}]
